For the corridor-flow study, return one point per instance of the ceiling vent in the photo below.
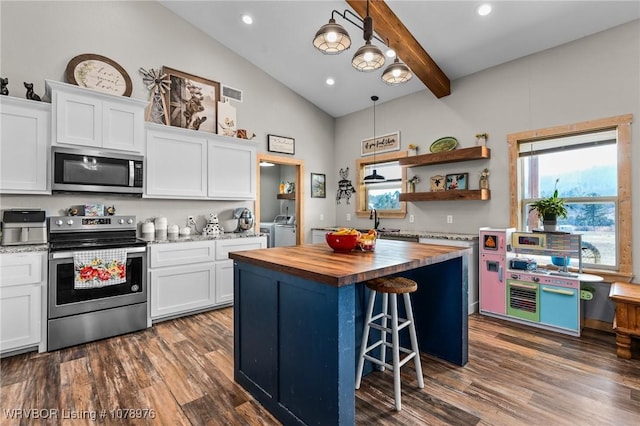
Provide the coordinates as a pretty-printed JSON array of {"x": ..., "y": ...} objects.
[{"x": 231, "y": 93}]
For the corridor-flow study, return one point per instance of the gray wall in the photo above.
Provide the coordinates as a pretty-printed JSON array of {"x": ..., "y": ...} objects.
[
  {"x": 594, "y": 77},
  {"x": 39, "y": 38}
]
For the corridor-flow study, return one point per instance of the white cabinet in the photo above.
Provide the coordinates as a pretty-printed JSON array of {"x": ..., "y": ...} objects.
[
  {"x": 91, "y": 118},
  {"x": 318, "y": 236},
  {"x": 224, "y": 266},
  {"x": 472, "y": 280},
  {"x": 176, "y": 163},
  {"x": 232, "y": 169},
  {"x": 22, "y": 286},
  {"x": 24, "y": 146},
  {"x": 182, "y": 277},
  {"x": 187, "y": 277},
  {"x": 189, "y": 164}
]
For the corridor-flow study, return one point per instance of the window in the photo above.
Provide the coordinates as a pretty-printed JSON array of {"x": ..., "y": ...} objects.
[
  {"x": 589, "y": 162},
  {"x": 383, "y": 196}
]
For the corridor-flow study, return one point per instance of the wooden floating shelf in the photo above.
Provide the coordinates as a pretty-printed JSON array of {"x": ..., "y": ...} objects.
[
  {"x": 453, "y": 195},
  {"x": 291, "y": 196},
  {"x": 457, "y": 155}
]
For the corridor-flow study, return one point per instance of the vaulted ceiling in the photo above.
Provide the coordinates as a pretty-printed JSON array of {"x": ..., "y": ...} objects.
[{"x": 440, "y": 40}]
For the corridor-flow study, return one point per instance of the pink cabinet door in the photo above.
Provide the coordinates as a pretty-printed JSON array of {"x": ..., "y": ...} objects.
[{"x": 492, "y": 284}]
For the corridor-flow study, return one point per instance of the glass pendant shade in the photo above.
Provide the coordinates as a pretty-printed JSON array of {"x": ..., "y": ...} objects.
[
  {"x": 332, "y": 38},
  {"x": 368, "y": 58},
  {"x": 396, "y": 73}
]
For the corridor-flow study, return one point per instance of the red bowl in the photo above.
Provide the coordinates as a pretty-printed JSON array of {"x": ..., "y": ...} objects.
[{"x": 342, "y": 243}]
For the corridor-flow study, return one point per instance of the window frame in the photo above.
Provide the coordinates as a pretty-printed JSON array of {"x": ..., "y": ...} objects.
[
  {"x": 622, "y": 124},
  {"x": 361, "y": 199}
]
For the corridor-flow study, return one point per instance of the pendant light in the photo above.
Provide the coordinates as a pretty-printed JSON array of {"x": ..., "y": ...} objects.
[
  {"x": 332, "y": 38},
  {"x": 396, "y": 73},
  {"x": 369, "y": 57},
  {"x": 374, "y": 177}
]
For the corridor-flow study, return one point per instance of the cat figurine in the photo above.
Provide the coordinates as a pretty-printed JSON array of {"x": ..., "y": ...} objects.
[
  {"x": 3, "y": 86},
  {"x": 30, "y": 93}
]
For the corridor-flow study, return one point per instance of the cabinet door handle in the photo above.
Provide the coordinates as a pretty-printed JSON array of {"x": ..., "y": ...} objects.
[
  {"x": 553, "y": 290},
  {"x": 500, "y": 269}
]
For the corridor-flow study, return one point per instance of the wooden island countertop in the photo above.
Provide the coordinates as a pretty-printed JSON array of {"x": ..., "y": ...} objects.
[{"x": 318, "y": 262}]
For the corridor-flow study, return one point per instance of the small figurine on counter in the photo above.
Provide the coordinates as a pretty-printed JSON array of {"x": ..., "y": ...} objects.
[
  {"x": 73, "y": 211},
  {"x": 111, "y": 210},
  {"x": 30, "y": 93},
  {"x": 4, "y": 81},
  {"x": 213, "y": 226}
]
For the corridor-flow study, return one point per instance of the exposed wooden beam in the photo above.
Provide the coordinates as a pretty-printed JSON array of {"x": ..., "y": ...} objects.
[{"x": 389, "y": 27}]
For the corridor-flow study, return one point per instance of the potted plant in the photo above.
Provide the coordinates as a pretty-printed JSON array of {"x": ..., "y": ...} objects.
[
  {"x": 481, "y": 139},
  {"x": 413, "y": 150},
  {"x": 549, "y": 209}
]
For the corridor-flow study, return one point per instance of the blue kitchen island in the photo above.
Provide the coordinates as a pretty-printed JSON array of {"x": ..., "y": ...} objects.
[{"x": 298, "y": 319}]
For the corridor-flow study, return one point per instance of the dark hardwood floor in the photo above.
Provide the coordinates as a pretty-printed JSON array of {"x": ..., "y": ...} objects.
[{"x": 183, "y": 370}]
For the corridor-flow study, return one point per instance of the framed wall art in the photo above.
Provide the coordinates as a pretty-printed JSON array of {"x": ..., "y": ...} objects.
[
  {"x": 456, "y": 181},
  {"x": 384, "y": 143},
  {"x": 318, "y": 185},
  {"x": 192, "y": 101},
  {"x": 281, "y": 144}
]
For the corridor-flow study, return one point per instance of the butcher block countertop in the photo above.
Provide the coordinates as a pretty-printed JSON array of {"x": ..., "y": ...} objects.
[{"x": 318, "y": 262}]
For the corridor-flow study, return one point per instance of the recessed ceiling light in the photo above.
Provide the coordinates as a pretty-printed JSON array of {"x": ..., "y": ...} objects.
[
  {"x": 484, "y": 9},
  {"x": 330, "y": 81},
  {"x": 247, "y": 19},
  {"x": 390, "y": 53}
]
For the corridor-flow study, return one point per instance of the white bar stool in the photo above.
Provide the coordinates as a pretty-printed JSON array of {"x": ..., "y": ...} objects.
[{"x": 390, "y": 286}]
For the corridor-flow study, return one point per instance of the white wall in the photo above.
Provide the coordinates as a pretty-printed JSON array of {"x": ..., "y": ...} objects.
[
  {"x": 595, "y": 77},
  {"x": 39, "y": 38}
]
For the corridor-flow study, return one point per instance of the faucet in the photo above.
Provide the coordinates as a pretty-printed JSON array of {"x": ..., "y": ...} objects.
[{"x": 374, "y": 215}]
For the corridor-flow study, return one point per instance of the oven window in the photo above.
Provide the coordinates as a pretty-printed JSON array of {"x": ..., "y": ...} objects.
[{"x": 66, "y": 293}]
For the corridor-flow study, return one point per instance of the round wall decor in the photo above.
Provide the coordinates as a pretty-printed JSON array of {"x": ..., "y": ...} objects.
[{"x": 99, "y": 73}]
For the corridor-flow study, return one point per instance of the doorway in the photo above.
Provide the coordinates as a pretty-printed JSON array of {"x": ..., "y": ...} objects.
[{"x": 295, "y": 169}]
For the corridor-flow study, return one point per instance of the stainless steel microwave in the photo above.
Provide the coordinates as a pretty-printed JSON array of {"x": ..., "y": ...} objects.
[{"x": 86, "y": 170}]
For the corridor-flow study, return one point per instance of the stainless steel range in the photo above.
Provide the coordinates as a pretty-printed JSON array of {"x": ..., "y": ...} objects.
[{"x": 97, "y": 279}]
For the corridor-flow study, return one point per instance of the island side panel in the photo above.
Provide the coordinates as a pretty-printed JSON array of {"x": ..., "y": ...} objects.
[
  {"x": 440, "y": 309},
  {"x": 303, "y": 332}
]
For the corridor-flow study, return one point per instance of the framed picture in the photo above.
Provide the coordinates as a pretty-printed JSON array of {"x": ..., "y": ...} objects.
[
  {"x": 438, "y": 183},
  {"x": 192, "y": 101},
  {"x": 384, "y": 143},
  {"x": 457, "y": 181},
  {"x": 318, "y": 185},
  {"x": 281, "y": 144}
]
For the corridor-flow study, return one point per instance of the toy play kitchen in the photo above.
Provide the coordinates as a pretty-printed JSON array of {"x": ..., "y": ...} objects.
[{"x": 512, "y": 286}]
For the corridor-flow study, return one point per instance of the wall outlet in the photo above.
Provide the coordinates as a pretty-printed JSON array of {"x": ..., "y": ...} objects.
[
  {"x": 348, "y": 217},
  {"x": 412, "y": 218},
  {"x": 321, "y": 216},
  {"x": 449, "y": 218}
]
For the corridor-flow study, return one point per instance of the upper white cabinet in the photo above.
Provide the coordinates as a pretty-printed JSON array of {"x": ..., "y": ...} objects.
[
  {"x": 176, "y": 163},
  {"x": 24, "y": 142},
  {"x": 232, "y": 169},
  {"x": 90, "y": 118},
  {"x": 196, "y": 165}
]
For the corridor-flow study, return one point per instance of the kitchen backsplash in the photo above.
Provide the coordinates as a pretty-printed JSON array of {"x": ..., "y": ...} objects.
[{"x": 176, "y": 211}]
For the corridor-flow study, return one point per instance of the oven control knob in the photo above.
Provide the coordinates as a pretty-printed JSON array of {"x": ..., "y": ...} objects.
[
  {"x": 59, "y": 222},
  {"x": 121, "y": 221},
  {"x": 70, "y": 222},
  {"x": 129, "y": 221},
  {"x": 535, "y": 279}
]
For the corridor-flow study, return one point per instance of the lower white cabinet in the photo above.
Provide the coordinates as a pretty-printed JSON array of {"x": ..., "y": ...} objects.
[
  {"x": 187, "y": 277},
  {"x": 181, "y": 289},
  {"x": 22, "y": 289},
  {"x": 318, "y": 236}
]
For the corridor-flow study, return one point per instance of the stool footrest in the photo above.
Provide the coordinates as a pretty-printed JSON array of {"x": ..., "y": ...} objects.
[
  {"x": 402, "y": 362},
  {"x": 401, "y": 325}
]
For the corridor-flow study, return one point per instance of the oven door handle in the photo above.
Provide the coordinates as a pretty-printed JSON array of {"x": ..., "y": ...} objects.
[{"x": 69, "y": 254}]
